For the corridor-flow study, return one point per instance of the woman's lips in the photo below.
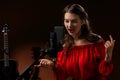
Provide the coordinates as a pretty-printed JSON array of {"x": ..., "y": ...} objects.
[{"x": 71, "y": 30}]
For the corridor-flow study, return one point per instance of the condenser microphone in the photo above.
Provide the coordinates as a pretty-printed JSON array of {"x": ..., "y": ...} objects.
[
  {"x": 53, "y": 40},
  {"x": 60, "y": 33},
  {"x": 56, "y": 40},
  {"x": 52, "y": 50}
]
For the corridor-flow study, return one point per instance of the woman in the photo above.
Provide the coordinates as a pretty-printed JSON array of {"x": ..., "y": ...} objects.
[{"x": 85, "y": 55}]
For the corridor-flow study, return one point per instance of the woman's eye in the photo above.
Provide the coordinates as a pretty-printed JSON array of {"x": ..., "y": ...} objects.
[
  {"x": 66, "y": 21},
  {"x": 74, "y": 21}
]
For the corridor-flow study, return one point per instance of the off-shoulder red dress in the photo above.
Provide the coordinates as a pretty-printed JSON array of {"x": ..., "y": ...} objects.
[{"x": 84, "y": 62}]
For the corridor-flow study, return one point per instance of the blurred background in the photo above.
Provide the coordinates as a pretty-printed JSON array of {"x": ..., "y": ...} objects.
[{"x": 30, "y": 22}]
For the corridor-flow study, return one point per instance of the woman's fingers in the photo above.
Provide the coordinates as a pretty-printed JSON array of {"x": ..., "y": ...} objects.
[
  {"x": 109, "y": 45},
  {"x": 112, "y": 40},
  {"x": 43, "y": 62}
]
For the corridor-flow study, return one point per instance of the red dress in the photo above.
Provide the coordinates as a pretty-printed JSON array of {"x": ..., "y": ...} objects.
[{"x": 84, "y": 62}]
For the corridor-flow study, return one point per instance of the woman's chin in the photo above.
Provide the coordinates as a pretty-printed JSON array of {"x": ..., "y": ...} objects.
[{"x": 71, "y": 34}]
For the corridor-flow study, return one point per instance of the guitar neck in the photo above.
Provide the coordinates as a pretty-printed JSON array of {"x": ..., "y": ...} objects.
[{"x": 6, "y": 50}]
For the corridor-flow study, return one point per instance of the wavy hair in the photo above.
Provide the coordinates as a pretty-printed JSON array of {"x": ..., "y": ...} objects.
[{"x": 86, "y": 31}]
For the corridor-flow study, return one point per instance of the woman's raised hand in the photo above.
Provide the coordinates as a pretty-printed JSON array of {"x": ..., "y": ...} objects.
[{"x": 109, "y": 45}]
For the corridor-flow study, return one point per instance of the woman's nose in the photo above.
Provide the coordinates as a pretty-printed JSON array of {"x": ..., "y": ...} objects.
[{"x": 70, "y": 24}]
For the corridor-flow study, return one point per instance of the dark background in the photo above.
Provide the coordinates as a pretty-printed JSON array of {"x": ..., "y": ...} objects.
[{"x": 30, "y": 21}]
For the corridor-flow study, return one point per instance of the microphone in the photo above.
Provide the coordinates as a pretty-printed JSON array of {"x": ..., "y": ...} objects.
[
  {"x": 55, "y": 41},
  {"x": 53, "y": 45},
  {"x": 60, "y": 32}
]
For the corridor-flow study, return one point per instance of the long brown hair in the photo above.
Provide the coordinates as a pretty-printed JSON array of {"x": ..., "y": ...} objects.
[{"x": 86, "y": 32}]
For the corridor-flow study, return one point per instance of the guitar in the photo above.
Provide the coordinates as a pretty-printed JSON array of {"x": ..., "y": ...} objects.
[{"x": 9, "y": 67}]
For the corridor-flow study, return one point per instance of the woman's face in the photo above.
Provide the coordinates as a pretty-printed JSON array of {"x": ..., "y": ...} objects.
[{"x": 72, "y": 24}]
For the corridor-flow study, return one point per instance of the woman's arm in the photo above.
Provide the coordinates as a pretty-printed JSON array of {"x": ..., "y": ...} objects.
[{"x": 106, "y": 66}]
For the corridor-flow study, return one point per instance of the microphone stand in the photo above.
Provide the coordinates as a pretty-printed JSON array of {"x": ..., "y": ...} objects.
[
  {"x": 26, "y": 72},
  {"x": 54, "y": 48}
]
